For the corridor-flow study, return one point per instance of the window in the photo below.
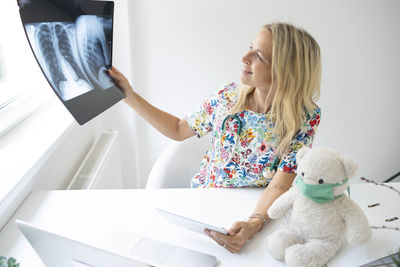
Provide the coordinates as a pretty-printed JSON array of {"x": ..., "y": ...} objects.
[{"x": 22, "y": 86}]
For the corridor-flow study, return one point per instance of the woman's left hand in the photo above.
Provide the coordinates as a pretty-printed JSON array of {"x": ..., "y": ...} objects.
[{"x": 238, "y": 235}]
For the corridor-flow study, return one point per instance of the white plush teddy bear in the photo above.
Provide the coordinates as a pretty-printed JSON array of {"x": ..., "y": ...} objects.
[{"x": 320, "y": 211}]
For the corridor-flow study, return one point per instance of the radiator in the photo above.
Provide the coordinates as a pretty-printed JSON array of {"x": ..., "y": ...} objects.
[{"x": 101, "y": 168}]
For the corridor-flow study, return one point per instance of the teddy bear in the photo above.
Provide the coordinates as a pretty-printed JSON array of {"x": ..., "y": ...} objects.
[{"x": 318, "y": 211}]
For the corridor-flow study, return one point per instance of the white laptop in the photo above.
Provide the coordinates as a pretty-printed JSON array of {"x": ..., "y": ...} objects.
[{"x": 60, "y": 251}]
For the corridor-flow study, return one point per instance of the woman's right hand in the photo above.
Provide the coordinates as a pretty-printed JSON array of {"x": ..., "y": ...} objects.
[
  {"x": 122, "y": 82},
  {"x": 238, "y": 235}
]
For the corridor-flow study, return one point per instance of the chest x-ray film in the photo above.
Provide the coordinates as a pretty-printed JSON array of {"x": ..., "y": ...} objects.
[{"x": 72, "y": 43}]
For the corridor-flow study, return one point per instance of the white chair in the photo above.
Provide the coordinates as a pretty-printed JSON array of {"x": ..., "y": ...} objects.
[{"x": 178, "y": 163}]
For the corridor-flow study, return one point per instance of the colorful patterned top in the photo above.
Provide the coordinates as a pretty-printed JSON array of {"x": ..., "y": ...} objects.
[{"x": 239, "y": 160}]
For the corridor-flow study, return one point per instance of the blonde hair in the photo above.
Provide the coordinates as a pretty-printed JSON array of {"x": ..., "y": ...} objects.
[{"x": 296, "y": 65}]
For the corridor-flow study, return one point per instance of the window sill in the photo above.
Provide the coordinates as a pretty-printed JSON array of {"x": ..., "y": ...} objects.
[{"x": 24, "y": 148}]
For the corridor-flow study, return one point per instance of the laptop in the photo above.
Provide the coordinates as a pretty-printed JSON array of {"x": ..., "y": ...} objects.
[{"x": 61, "y": 251}]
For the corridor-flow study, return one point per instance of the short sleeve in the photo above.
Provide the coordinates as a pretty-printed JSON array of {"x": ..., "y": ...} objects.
[
  {"x": 304, "y": 137},
  {"x": 202, "y": 120}
]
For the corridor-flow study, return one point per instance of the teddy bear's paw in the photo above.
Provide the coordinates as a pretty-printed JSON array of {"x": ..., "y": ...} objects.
[
  {"x": 311, "y": 254},
  {"x": 357, "y": 238},
  {"x": 278, "y": 242},
  {"x": 275, "y": 249},
  {"x": 274, "y": 213}
]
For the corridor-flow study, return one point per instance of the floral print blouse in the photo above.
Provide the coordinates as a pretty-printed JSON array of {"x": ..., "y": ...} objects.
[{"x": 238, "y": 160}]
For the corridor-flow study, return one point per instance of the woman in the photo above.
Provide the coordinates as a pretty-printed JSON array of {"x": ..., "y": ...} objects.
[{"x": 257, "y": 127}]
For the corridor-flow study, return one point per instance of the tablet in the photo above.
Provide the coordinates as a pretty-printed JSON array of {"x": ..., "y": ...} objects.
[{"x": 190, "y": 224}]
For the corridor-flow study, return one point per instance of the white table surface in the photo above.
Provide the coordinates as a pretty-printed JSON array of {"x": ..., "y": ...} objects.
[{"x": 88, "y": 216}]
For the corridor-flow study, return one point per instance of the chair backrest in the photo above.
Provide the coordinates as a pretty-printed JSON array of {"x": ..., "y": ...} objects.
[{"x": 178, "y": 163}]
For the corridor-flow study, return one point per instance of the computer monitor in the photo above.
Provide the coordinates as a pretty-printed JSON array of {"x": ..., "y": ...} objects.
[{"x": 72, "y": 43}]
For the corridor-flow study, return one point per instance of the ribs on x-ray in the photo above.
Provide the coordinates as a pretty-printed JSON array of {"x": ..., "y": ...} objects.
[
  {"x": 93, "y": 48},
  {"x": 73, "y": 56}
]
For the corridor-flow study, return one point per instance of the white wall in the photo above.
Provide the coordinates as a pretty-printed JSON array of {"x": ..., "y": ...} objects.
[
  {"x": 121, "y": 117},
  {"x": 184, "y": 50}
]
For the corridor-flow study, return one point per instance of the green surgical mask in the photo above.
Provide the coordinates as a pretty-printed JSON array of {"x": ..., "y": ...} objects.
[{"x": 319, "y": 193}]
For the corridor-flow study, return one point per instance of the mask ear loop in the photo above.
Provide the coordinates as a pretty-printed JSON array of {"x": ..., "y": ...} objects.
[{"x": 348, "y": 186}]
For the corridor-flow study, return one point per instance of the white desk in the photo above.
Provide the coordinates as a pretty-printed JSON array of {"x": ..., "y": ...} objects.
[{"x": 88, "y": 215}]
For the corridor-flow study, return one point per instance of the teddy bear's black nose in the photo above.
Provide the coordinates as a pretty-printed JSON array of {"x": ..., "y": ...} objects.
[{"x": 320, "y": 181}]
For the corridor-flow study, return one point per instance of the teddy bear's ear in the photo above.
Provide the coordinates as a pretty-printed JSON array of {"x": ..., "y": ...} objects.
[
  {"x": 302, "y": 151},
  {"x": 350, "y": 166}
]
